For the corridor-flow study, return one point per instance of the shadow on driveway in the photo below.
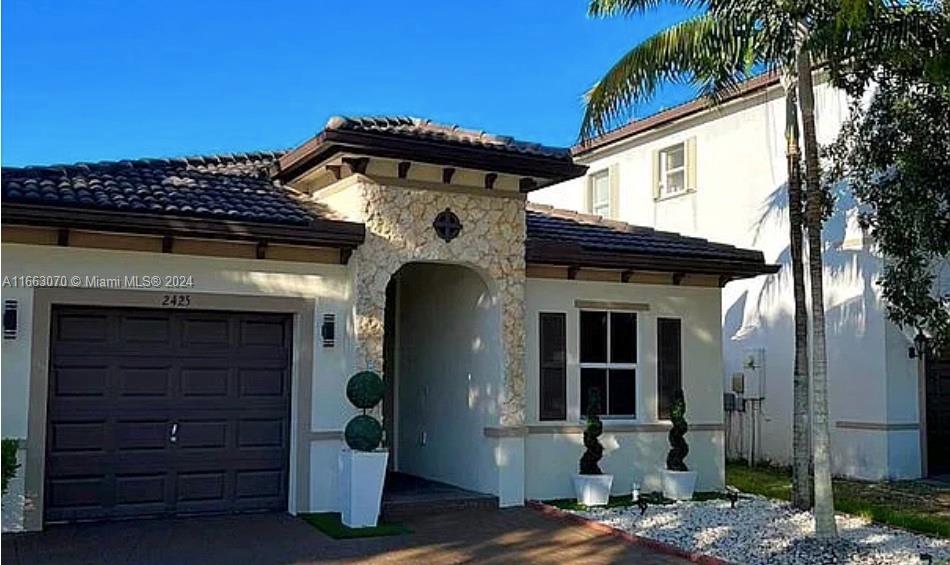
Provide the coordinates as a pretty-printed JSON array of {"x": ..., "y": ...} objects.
[{"x": 486, "y": 536}]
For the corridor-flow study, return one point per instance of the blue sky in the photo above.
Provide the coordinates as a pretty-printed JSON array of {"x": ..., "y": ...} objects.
[{"x": 96, "y": 80}]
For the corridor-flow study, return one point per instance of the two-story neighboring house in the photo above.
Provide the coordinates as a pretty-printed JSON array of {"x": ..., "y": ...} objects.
[{"x": 720, "y": 173}]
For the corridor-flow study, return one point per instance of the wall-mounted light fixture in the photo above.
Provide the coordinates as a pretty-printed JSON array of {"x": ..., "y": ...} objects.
[
  {"x": 9, "y": 319},
  {"x": 919, "y": 349},
  {"x": 328, "y": 330}
]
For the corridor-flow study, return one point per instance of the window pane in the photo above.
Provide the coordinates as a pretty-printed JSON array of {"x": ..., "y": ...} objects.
[
  {"x": 669, "y": 370},
  {"x": 623, "y": 337},
  {"x": 553, "y": 394},
  {"x": 601, "y": 189},
  {"x": 675, "y": 182},
  {"x": 553, "y": 369},
  {"x": 623, "y": 392},
  {"x": 593, "y": 380},
  {"x": 674, "y": 157},
  {"x": 601, "y": 209},
  {"x": 593, "y": 337}
]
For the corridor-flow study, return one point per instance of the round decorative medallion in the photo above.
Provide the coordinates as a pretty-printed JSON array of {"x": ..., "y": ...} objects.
[{"x": 447, "y": 225}]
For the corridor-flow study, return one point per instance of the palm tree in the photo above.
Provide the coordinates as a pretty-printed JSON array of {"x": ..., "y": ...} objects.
[
  {"x": 717, "y": 49},
  {"x": 693, "y": 52}
]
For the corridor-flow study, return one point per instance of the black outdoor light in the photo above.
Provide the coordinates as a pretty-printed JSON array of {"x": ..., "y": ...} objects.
[{"x": 920, "y": 346}]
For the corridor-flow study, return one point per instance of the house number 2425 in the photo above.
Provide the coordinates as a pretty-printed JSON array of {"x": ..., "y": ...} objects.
[{"x": 176, "y": 300}]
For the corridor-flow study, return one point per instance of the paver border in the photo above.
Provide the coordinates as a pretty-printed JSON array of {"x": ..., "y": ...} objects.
[{"x": 659, "y": 546}]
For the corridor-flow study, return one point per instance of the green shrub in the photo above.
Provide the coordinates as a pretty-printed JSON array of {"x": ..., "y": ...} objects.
[
  {"x": 364, "y": 432},
  {"x": 9, "y": 462},
  {"x": 594, "y": 451},
  {"x": 679, "y": 449}
]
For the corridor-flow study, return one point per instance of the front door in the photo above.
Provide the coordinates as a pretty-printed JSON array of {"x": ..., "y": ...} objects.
[{"x": 938, "y": 414}]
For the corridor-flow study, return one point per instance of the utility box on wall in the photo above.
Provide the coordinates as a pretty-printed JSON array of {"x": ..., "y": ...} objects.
[{"x": 753, "y": 372}]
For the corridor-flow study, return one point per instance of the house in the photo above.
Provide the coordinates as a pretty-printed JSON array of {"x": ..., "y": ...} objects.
[
  {"x": 720, "y": 173},
  {"x": 178, "y": 333}
]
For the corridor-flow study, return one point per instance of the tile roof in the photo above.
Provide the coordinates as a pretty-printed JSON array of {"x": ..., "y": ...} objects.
[
  {"x": 223, "y": 187},
  {"x": 419, "y": 128},
  {"x": 594, "y": 235},
  {"x": 670, "y": 115}
]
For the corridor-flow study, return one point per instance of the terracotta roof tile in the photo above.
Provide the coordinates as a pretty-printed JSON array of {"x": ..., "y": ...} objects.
[
  {"x": 594, "y": 233},
  {"x": 420, "y": 128},
  {"x": 226, "y": 187}
]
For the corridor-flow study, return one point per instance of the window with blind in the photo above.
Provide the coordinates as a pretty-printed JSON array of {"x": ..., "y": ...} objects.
[
  {"x": 608, "y": 361},
  {"x": 669, "y": 369},
  {"x": 553, "y": 371}
]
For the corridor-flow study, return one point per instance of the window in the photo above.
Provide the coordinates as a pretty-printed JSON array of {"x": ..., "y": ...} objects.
[
  {"x": 552, "y": 333},
  {"x": 669, "y": 369},
  {"x": 608, "y": 361},
  {"x": 673, "y": 170},
  {"x": 600, "y": 194}
]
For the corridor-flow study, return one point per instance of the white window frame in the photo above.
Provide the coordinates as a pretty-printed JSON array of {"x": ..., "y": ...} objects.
[
  {"x": 594, "y": 204},
  {"x": 608, "y": 365},
  {"x": 665, "y": 173}
]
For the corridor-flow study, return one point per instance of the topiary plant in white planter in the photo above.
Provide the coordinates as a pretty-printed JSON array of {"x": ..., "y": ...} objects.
[
  {"x": 678, "y": 481},
  {"x": 591, "y": 485},
  {"x": 363, "y": 464}
]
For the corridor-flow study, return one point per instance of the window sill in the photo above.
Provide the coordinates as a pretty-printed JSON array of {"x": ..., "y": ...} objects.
[{"x": 674, "y": 196}]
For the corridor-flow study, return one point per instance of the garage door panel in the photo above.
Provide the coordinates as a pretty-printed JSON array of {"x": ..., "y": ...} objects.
[
  {"x": 204, "y": 381},
  {"x": 224, "y": 380},
  {"x": 78, "y": 436},
  {"x": 81, "y": 327},
  {"x": 80, "y": 379},
  {"x": 153, "y": 329},
  {"x": 145, "y": 380}
]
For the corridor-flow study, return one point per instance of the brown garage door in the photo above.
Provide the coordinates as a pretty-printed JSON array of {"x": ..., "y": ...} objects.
[{"x": 158, "y": 412}]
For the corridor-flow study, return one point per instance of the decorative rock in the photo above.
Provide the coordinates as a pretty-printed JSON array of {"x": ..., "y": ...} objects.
[
  {"x": 760, "y": 531},
  {"x": 399, "y": 230}
]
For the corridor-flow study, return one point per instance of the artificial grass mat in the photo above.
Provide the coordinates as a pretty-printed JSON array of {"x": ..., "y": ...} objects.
[{"x": 330, "y": 524}]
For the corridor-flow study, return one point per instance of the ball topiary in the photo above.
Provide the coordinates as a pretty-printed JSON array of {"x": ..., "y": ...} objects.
[
  {"x": 365, "y": 389},
  {"x": 363, "y": 433}
]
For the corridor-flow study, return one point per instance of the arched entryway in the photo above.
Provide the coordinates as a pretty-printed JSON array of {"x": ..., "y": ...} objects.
[{"x": 443, "y": 365}]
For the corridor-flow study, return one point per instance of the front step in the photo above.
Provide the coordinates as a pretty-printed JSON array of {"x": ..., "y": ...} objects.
[
  {"x": 401, "y": 510},
  {"x": 406, "y": 496}
]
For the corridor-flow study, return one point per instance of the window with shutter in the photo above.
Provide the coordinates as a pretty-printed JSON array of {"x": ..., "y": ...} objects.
[{"x": 608, "y": 360}]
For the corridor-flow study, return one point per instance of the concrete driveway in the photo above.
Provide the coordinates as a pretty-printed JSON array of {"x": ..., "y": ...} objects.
[{"x": 517, "y": 535}]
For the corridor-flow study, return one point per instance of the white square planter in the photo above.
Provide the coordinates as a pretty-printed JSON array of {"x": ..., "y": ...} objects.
[
  {"x": 593, "y": 490},
  {"x": 678, "y": 485},
  {"x": 362, "y": 474}
]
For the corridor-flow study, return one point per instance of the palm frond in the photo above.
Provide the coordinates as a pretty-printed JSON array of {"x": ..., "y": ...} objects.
[
  {"x": 608, "y": 8},
  {"x": 706, "y": 51}
]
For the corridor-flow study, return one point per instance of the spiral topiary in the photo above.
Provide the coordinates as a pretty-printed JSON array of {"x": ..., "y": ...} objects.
[
  {"x": 594, "y": 451},
  {"x": 679, "y": 449},
  {"x": 364, "y": 432}
]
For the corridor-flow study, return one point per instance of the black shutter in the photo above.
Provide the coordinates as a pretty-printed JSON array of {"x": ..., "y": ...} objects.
[
  {"x": 553, "y": 389},
  {"x": 669, "y": 370}
]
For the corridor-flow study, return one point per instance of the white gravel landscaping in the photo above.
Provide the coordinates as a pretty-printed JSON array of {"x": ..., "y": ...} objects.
[{"x": 760, "y": 530}]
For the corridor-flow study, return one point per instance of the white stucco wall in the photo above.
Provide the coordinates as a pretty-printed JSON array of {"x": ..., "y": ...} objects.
[
  {"x": 327, "y": 285},
  {"x": 449, "y": 375},
  {"x": 740, "y": 199},
  {"x": 551, "y": 456}
]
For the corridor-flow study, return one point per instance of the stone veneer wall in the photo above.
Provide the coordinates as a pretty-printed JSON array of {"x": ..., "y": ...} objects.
[{"x": 399, "y": 230}]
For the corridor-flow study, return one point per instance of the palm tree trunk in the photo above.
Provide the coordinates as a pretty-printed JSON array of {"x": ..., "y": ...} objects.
[
  {"x": 801, "y": 446},
  {"x": 814, "y": 217}
]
